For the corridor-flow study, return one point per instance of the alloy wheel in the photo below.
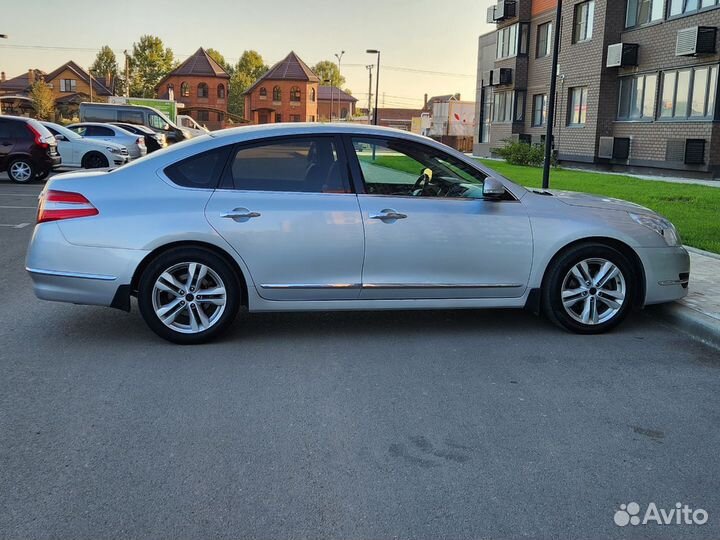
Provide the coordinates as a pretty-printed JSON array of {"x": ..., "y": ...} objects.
[
  {"x": 20, "y": 171},
  {"x": 189, "y": 297},
  {"x": 593, "y": 291}
]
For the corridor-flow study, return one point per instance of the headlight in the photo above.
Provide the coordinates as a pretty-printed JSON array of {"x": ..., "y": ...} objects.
[
  {"x": 112, "y": 150},
  {"x": 660, "y": 225}
]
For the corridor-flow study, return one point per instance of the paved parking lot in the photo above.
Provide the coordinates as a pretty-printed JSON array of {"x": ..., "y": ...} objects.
[{"x": 372, "y": 425}]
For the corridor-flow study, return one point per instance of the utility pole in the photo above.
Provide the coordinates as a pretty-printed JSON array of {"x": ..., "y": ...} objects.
[
  {"x": 127, "y": 74},
  {"x": 377, "y": 83},
  {"x": 332, "y": 89},
  {"x": 369, "y": 67},
  {"x": 551, "y": 97},
  {"x": 329, "y": 82},
  {"x": 91, "y": 97}
]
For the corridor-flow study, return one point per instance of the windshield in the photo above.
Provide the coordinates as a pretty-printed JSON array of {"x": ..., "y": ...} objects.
[{"x": 159, "y": 121}]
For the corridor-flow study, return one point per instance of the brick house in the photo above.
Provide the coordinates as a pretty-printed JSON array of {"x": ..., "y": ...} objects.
[
  {"x": 342, "y": 103},
  {"x": 651, "y": 107},
  {"x": 286, "y": 93},
  {"x": 202, "y": 86}
]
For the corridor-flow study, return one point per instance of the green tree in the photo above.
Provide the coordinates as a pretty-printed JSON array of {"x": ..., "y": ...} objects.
[
  {"x": 42, "y": 100},
  {"x": 328, "y": 70},
  {"x": 248, "y": 69},
  {"x": 105, "y": 65},
  {"x": 150, "y": 62},
  {"x": 220, "y": 59}
]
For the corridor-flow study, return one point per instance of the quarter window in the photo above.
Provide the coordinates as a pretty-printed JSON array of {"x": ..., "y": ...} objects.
[
  {"x": 310, "y": 165},
  {"x": 199, "y": 171},
  {"x": 544, "y": 36},
  {"x": 401, "y": 168},
  {"x": 578, "y": 106},
  {"x": 637, "y": 97},
  {"x": 583, "y": 22},
  {"x": 689, "y": 93}
]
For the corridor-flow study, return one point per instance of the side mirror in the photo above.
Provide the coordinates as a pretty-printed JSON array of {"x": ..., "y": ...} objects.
[
  {"x": 59, "y": 137},
  {"x": 493, "y": 188}
]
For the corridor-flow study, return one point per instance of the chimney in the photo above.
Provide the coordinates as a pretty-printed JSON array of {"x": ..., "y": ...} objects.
[
  {"x": 2, "y": 76},
  {"x": 425, "y": 101},
  {"x": 31, "y": 77}
]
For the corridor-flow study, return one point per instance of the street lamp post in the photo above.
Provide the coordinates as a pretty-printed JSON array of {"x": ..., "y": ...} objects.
[
  {"x": 551, "y": 98},
  {"x": 377, "y": 83},
  {"x": 329, "y": 83},
  {"x": 369, "y": 68},
  {"x": 332, "y": 89}
]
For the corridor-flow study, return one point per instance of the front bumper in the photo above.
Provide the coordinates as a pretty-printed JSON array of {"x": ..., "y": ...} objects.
[
  {"x": 667, "y": 273},
  {"x": 65, "y": 272}
]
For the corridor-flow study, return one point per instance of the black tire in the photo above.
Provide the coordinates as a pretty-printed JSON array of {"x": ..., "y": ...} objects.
[
  {"x": 42, "y": 175},
  {"x": 559, "y": 271},
  {"x": 94, "y": 160},
  {"x": 178, "y": 257},
  {"x": 23, "y": 162}
]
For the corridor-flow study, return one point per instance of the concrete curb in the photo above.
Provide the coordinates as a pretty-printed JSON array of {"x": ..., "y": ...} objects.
[{"x": 690, "y": 321}]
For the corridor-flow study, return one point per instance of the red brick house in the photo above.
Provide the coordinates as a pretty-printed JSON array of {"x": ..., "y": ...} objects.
[
  {"x": 286, "y": 93},
  {"x": 342, "y": 103},
  {"x": 201, "y": 85}
]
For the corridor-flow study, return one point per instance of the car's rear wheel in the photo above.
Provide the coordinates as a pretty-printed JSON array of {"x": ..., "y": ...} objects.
[
  {"x": 94, "y": 160},
  {"x": 589, "y": 289},
  {"x": 21, "y": 171},
  {"x": 188, "y": 295}
]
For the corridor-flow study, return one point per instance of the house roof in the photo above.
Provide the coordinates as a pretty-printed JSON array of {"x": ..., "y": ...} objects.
[
  {"x": 328, "y": 93},
  {"x": 440, "y": 99},
  {"x": 290, "y": 68},
  {"x": 99, "y": 88},
  {"x": 199, "y": 64},
  {"x": 19, "y": 83}
]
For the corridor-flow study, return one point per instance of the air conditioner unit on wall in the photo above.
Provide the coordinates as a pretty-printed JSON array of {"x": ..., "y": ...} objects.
[
  {"x": 505, "y": 9},
  {"x": 501, "y": 76},
  {"x": 491, "y": 14},
  {"x": 622, "y": 55},
  {"x": 487, "y": 78},
  {"x": 614, "y": 148},
  {"x": 696, "y": 40}
]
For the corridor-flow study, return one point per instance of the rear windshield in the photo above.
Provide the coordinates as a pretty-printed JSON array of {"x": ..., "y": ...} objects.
[{"x": 45, "y": 132}]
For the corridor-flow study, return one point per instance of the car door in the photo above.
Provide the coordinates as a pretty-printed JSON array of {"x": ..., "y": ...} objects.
[
  {"x": 428, "y": 231},
  {"x": 6, "y": 142},
  {"x": 287, "y": 208},
  {"x": 101, "y": 133}
]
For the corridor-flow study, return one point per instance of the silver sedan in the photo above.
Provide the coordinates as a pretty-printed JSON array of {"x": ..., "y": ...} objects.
[
  {"x": 98, "y": 131},
  {"x": 292, "y": 217}
]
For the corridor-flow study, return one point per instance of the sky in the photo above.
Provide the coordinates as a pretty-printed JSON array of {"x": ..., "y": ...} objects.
[{"x": 427, "y": 46}]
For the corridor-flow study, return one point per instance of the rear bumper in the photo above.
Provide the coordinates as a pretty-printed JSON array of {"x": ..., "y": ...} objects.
[
  {"x": 65, "y": 272},
  {"x": 667, "y": 272}
]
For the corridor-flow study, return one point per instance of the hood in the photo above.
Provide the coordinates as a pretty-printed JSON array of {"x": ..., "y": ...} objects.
[
  {"x": 574, "y": 198},
  {"x": 103, "y": 144}
]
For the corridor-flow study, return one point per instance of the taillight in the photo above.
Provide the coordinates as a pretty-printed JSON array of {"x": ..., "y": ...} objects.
[
  {"x": 39, "y": 139},
  {"x": 55, "y": 205}
]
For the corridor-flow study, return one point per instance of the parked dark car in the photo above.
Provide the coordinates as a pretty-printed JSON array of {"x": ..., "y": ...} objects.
[
  {"x": 28, "y": 151},
  {"x": 153, "y": 140}
]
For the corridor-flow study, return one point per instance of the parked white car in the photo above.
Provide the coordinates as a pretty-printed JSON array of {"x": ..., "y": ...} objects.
[
  {"x": 77, "y": 151},
  {"x": 135, "y": 144}
]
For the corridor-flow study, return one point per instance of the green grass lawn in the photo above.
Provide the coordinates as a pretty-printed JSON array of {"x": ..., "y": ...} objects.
[{"x": 694, "y": 209}]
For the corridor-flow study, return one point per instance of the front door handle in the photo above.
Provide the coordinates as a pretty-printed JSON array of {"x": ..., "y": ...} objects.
[
  {"x": 388, "y": 214},
  {"x": 240, "y": 214}
]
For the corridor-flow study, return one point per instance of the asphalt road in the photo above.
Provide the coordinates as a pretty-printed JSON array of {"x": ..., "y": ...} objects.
[{"x": 368, "y": 425}]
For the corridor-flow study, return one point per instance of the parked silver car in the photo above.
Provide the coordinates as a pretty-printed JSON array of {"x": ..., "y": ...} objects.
[
  {"x": 326, "y": 217},
  {"x": 135, "y": 144}
]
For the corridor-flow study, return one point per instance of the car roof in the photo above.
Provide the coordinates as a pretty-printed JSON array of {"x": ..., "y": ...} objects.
[{"x": 102, "y": 124}]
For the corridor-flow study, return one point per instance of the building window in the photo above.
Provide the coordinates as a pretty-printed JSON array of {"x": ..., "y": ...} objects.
[
  {"x": 680, "y": 7},
  {"x": 295, "y": 94},
  {"x": 221, "y": 91},
  {"x": 637, "y": 97},
  {"x": 277, "y": 94},
  {"x": 203, "y": 116},
  {"x": 519, "y": 106},
  {"x": 583, "y": 25},
  {"x": 68, "y": 85},
  {"x": 643, "y": 11},
  {"x": 544, "y": 35},
  {"x": 202, "y": 90},
  {"x": 221, "y": 116},
  {"x": 578, "y": 106},
  {"x": 502, "y": 107},
  {"x": 263, "y": 93},
  {"x": 312, "y": 94},
  {"x": 539, "y": 113},
  {"x": 184, "y": 89},
  {"x": 507, "y": 41},
  {"x": 295, "y": 118},
  {"x": 278, "y": 117},
  {"x": 312, "y": 118},
  {"x": 689, "y": 93},
  {"x": 487, "y": 107}
]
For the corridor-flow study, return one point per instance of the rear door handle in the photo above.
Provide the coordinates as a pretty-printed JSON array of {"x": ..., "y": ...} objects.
[
  {"x": 388, "y": 214},
  {"x": 240, "y": 214}
]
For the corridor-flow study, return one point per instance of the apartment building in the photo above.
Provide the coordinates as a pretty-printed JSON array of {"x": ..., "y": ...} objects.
[{"x": 637, "y": 82}]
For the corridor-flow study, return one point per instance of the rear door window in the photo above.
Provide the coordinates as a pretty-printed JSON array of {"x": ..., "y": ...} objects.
[
  {"x": 99, "y": 131},
  {"x": 200, "y": 171},
  {"x": 311, "y": 165},
  {"x": 131, "y": 117}
]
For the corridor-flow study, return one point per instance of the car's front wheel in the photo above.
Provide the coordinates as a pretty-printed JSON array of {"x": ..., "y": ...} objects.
[
  {"x": 94, "y": 160},
  {"x": 188, "y": 295},
  {"x": 589, "y": 289}
]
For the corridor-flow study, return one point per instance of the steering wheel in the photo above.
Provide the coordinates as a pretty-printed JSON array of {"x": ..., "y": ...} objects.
[{"x": 423, "y": 181}]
